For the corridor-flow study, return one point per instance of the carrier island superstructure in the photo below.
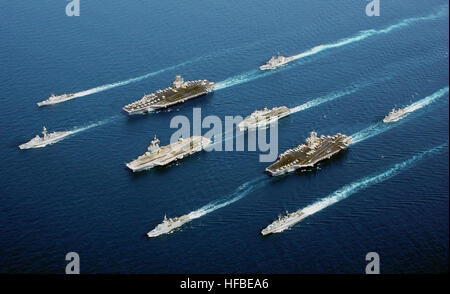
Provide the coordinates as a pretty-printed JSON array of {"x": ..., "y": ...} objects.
[
  {"x": 179, "y": 93},
  {"x": 261, "y": 118},
  {"x": 160, "y": 156},
  {"x": 307, "y": 155}
]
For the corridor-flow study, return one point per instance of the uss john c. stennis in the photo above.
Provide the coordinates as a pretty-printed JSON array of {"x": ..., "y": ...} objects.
[
  {"x": 160, "y": 156},
  {"x": 307, "y": 155},
  {"x": 179, "y": 93}
]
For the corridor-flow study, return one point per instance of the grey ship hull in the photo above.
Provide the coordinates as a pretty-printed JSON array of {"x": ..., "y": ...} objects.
[
  {"x": 169, "y": 97},
  {"x": 304, "y": 157}
]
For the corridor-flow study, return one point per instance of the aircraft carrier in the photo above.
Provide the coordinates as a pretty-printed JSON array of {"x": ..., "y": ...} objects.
[
  {"x": 276, "y": 62},
  {"x": 395, "y": 115},
  {"x": 46, "y": 139},
  {"x": 160, "y": 156},
  {"x": 315, "y": 150},
  {"x": 179, "y": 93},
  {"x": 284, "y": 222},
  {"x": 261, "y": 118},
  {"x": 53, "y": 99}
]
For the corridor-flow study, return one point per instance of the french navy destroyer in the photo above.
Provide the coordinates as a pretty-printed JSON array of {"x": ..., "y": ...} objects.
[
  {"x": 284, "y": 222},
  {"x": 53, "y": 99},
  {"x": 276, "y": 62},
  {"x": 160, "y": 156},
  {"x": 261, "y": 118},
  {"x": 168, "y": 225},
  {"x": 307, "y": 155},
  {"x": 179, "y": 93},
  {"x": 46, "y": 139},
  {"x": 395, "y": 115}
]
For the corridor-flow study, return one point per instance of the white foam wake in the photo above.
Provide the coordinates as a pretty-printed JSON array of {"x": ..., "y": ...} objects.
[
  {"x": 93, "y": 125},
  {"x": 363, "y": 183},
  {"x": 256, "y": 74},
  {"x": 369, "y": 33},
  {"x": 380, "y": 127},
  {"x": 242, "y": 191}
]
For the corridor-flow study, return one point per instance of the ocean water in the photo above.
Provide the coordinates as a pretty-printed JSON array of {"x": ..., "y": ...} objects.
[{"x": 388, "y": 193}]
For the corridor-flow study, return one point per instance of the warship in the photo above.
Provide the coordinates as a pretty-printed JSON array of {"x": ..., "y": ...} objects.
[
  {"x": 284, "y": 222},
  {"x": 53, "y": 99},
  {"x": 46, "y": 139},
  {"x": 168, "y": 225},
  {"x": 395, "y": 115},
  {"x": 179, "y": 93},
  {"x": 275, "y": 62},
  {"x": 261, "y": 118},
  {"x": 160, "y": 156},
  {"x": 307, "y": 155}
]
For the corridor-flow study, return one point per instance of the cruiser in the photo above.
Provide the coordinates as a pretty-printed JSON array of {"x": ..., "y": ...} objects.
[
  {"x": 261, "y": 118},
  {"x": 168, "y": 225},
  {"x": 315, "y": 150},
  {"x": 160, "y": 156},
  {"x": 179, "y": 93},
  {"x": 395, "y": 115},
  {"x": 53, "y": 99},
  {"x": 284, "y": 222},
  {"x": 46, "y": 139},
  {"x": 275, "y": 62}
]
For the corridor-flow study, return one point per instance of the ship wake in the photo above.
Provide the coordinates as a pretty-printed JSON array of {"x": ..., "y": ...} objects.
[
  {"x": 77, "y": 130},
  {"x": 366, "y": 182},
  {"x": 381, "y": 127},
  {"x": 257, "y": 74}
]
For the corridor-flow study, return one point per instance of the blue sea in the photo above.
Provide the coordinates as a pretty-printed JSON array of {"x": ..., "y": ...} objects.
[{"x": 388, "y": 193}]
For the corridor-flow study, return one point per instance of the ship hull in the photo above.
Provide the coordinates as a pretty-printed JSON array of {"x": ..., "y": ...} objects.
[
  {"x": 51, "y": 102},
  {"x": 295, "y": 220},
  {"x": 41, "y": 143}
]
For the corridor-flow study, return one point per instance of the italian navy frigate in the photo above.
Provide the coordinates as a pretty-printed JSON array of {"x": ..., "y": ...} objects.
[
  {"x": 276, "y": 62},
  {"x": 53, "y": 99},
  {"x": 284, "y": 222},
  {"x": 168, "y": 225},
  {"x": 395, "y": 115},
  {"x": 46, "y": 139},
  {"x": 179, "y": 93},
  {"x": 261, "y": 118},
  {"x": 160, "y": 156},
  {"x": 307, "y": 155}
]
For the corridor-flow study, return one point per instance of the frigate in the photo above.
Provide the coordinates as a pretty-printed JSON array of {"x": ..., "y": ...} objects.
[
  {"x": 53, "y": 99},
  {"x": 179, "y": 93},
  {"x": 284, "y": 222},
  {"x": 276, "y": 62},
  {"x": 168, "y": 225},
  {"x": 160, "y": 156},
  {"x": 261, "y": 118},
  {"x": 395, "y": 115},
  {"x": 307, "y": 155},
  {"x": 46, "y": 139}
]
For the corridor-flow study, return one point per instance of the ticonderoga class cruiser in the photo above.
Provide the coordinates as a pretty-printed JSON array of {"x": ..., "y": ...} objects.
[
  {"x": 315, "y": 150},
  {"x": 395, "y": 115},
  {"x": 53, "y": 99},
  {"x": 46, "y": 139},
  {"x": 159, "y": 156},
  {"x": 275, "y": 62},
  {"x": 180, "y": 92},
  {"x": 261, "y": 118},
  {"x": 284, "y": 222},
  {"x": 168, "y": 225}
]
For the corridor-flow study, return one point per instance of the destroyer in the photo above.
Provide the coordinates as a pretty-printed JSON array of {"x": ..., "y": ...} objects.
[
  {"x": 160, "y": 156},
  {"x": 46, "y": 139},
  {"x": 53, "y": 99},
  {"x": 261, "y": 118},
  {"x": 180, "y": 92},
  {"x": 284, "y": 222},
  {"x": 168, "y": 225},
  {"x": 276, "y": 62},
  {"x": 315, "y": 150},
  {"x": 395, "y": 115}
]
